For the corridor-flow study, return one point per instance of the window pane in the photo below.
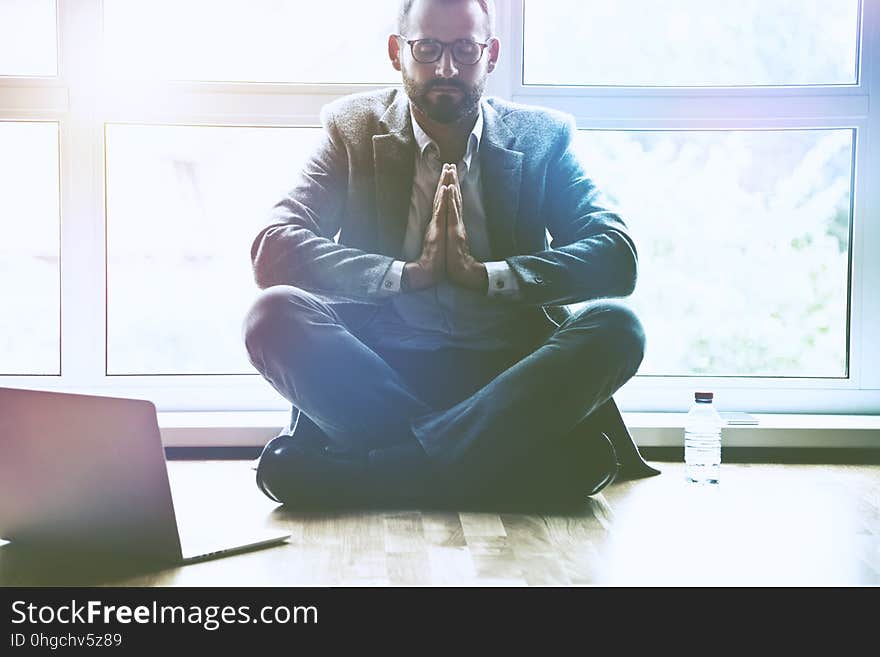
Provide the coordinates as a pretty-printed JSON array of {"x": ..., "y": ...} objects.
[
  {"x": 690, "y": 42},
  {"x": 184, "y": 204},
  {"x": 250, "y": 40},
  {"x": 743, "y": 241},
  {"x": 27, "y": 37},
  {"x": 30, "y": 332}
]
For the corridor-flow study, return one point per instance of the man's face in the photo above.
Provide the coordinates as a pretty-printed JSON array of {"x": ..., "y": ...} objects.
[{"x": 446, "y": 90}]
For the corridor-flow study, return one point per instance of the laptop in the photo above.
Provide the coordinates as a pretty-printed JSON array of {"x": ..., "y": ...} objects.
[{"x": 88, "y": 474}]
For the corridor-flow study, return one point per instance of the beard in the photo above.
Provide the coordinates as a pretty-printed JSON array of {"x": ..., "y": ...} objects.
[{"x": 444, "y": 108}]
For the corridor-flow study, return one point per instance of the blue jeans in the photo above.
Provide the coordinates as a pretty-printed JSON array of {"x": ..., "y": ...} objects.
[{"x": 466, "y": 413}]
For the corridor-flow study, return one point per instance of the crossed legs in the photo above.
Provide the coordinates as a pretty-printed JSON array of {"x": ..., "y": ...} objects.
[{"x": 474, "y": 414}]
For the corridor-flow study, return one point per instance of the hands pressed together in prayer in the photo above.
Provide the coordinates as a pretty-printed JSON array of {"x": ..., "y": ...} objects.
[{"x": 445, "y": 252}]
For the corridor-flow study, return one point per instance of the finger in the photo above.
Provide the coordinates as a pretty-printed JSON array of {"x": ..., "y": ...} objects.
[
  {"x": 449, "y": 196},
  {"x": 439, "y": 191},
  {"x": 442, "y": 198},
  {"x": 453, "y": 212},
  {"x": 439, "y": 197},
  {"x": 455, "y": 198},
  {"x": 443, "y": 180}
]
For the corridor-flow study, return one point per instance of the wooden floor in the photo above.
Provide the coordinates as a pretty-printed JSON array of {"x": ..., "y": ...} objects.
[{"x": 763, "y": 525}]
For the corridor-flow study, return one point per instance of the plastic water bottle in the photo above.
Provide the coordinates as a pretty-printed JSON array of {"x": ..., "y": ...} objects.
[{"x": 702, "y": 441}]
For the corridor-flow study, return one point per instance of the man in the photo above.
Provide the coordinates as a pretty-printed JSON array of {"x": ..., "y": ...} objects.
[{"x": 418, "y": 350}]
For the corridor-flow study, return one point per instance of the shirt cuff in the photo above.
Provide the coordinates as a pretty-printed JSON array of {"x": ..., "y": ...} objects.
[
  {"x": 502, "y": 280},
  {"x": 390, "y": 284}
]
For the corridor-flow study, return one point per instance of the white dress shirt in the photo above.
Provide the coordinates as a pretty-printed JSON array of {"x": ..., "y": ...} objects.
[{"x": 447, "y": 314}]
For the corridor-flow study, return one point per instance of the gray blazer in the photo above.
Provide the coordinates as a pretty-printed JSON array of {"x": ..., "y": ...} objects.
[{"x": 358, "y": 183}]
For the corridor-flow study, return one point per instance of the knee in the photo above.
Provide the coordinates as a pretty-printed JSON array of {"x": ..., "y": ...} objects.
[
  {"x": 276, "y": 314},
  {"x": 623, "y": 332}
]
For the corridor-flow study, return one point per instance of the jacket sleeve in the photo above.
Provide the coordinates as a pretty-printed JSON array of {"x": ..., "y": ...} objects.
[
  {"x": 297, "y": 246},
  {"x": 591, "y": 254}
]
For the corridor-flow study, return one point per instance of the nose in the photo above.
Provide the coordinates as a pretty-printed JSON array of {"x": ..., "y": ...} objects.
[{"x": 446, "y": 65}]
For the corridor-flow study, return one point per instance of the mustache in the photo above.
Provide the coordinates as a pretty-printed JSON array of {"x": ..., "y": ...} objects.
[{"x": 446, "y": 83}]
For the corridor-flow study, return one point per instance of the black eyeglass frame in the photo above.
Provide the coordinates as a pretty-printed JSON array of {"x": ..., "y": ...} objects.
[{"x": 443, "y": 46}]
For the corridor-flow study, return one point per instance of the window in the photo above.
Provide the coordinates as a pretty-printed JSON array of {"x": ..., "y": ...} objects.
[
  {"x": 734, "y": 142},
  {"x": 756, "y": 285},
  {"x": 250, "y": 40},
  {"x": 181, "y": 202},
  {"x": 28, "y": 38},
  {"x": 29, "y": 247},
  {"x": 143, "y": 143},
  {"x": 691, "y": 42}
]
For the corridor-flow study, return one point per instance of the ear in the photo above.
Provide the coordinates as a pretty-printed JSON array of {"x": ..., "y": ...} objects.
[
  {"x": 394, "y": 51},
  {"x": 494, "y": 51}
]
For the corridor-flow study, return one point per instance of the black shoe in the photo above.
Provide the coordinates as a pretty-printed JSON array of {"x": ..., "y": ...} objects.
[
  {"x": 591, "y": 462},
  {"x": 568, "y": 471},
  {"x": 631, "y": 464},
  {"x": 303, "y": 470},
  {"x": 636, "y": 471},
  {"x": 404, "y": 474}
]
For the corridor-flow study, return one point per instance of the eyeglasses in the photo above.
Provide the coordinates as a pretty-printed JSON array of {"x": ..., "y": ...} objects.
[{"x": 428, "y": 51}]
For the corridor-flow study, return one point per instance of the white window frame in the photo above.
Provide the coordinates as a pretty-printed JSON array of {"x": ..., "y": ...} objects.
[{"x": 81, "y": 104}]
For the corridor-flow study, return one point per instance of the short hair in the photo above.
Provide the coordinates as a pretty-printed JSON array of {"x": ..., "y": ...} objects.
[{"x": 488, "y": 7}]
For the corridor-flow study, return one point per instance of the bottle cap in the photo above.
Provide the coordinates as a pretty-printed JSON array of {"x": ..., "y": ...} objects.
[{"x": 703, "y": 396}]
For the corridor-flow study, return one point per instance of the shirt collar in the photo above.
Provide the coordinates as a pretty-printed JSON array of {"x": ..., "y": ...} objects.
[{"x": 424, "y": 141}]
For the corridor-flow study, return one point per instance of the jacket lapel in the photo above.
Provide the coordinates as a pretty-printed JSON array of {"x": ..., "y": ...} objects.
[
  {"x": 501, "y": 168},
  {"x": 394, "y": 162}
]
